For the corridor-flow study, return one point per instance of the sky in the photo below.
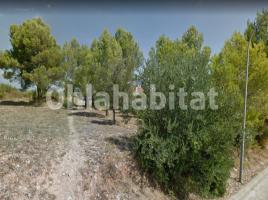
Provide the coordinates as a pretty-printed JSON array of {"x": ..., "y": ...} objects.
[{"x": 146, "y": 25}]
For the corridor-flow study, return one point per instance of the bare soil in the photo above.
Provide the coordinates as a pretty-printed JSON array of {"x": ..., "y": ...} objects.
[
  {"x": 46, "y": 154},
  {"x": 78, "y": 154}
]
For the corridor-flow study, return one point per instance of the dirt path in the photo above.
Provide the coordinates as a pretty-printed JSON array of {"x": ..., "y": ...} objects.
[
  {"x": 66, "y": 178},
  {"x": 64, "y": 155}
]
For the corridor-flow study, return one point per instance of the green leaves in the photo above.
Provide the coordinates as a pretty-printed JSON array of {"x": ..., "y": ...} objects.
[
  {"x": 110, "y": 60},
  {"x": 30, "y": 38},
  {"x": 260, "y": 29},
  {"x": 39, "y": 76},
  {"x": 192, "y": 38},
  {"x": 75, "y": 57},
  {"x": 132, "y": 58},
  {"x": 185, "y": 150},
  {"x": 7, "y": 61},
  {"x": 229, "y": 75},
  {"x": 35, "y": 57}
]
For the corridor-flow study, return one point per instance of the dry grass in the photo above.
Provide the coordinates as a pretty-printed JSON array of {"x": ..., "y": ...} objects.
[
  {"x": 110, "y": 172},
  {"x": 29, "y": 138},
  {"x": 8, "y": 92},
  {"x": 40, "y": 158},
  {"x": 37, "y": 147},
  {"x": 256, "y": 160}
]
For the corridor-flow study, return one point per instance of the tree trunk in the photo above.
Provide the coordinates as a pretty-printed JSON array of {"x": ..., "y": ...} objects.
[
  {"x": 106, "y": 113},
  {"x": 113, "y": 116},
  {"x": 93, "y": 104},
  {"x": 38, "y": 92},
  {"x": 85, "y": 98}
]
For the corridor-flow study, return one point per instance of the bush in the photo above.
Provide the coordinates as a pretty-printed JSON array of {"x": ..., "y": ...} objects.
[
  {"x": 9, "y": 92},
  {"x": 265, "y": 131},
  {"x": 6, "y": 89},
  {"x": 190, "y": 161},
  {"x": 262, "y": 139},
  {"x": 185, "y": 150}
]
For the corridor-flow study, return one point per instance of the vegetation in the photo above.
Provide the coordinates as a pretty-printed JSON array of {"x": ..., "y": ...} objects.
[
  {"x": 229, "y": 75},
  {"x": 260, "y": 33},
  {"x": 183, "y": 150},
  {"x": 9, "y": 92},
  {"x": 35, "y": 57},
  {"x": 75, "y": 56},
  {"x": 111, "y": 60}
]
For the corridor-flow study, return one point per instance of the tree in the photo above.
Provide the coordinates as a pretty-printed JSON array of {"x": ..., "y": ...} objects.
[
  {"x": 85, "y": 73},
  {"x": 229, "y": 74},
  {"x": 74, "y": 56},
  {"x": 33, "y": 47},
  {"x": 107, "y": 60},
  {"x": 185, "y": 150},
  {"x": 260, "y": 29},
  {"x": 111, "y": 60},
  {"x": 76, "y": 65},
  {"x": 132, "y": 58}
]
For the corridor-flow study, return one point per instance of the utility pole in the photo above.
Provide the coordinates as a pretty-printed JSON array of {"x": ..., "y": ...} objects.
[{"x": 242, "y": 151}]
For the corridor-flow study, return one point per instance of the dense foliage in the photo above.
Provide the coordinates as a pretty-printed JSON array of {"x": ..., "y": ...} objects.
[
  {"x": 229, "y": 75},
  {"x": 110, "y": 60},
  {"x": 185, "y": 150},
  {"x": 35, "y": 57},
  {"x": 260, "y": 28}
]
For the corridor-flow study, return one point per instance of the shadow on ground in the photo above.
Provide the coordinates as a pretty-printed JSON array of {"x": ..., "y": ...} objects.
[
  {"x": 126, "y": 118},
  {"x": 15, "y": 103},
  {"x": 103, "y": 122},
  {"x": 123, "y": 143},
  {"x": 87, "y": 114}
]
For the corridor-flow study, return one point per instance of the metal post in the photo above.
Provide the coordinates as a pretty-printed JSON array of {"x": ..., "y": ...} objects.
[{"x": 242, "y": 152}]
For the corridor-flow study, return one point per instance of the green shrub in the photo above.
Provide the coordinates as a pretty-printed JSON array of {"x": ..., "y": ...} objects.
[
  {"x": 7, "y": 91},
  {"x": 262, "y": 138},
  {"x": 185, "y": 150},
  {"x": 265, "y": 132},
  {"x": 4, "y": 88}
]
